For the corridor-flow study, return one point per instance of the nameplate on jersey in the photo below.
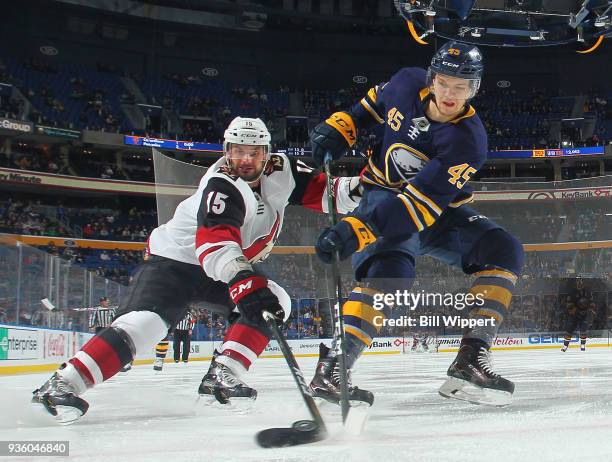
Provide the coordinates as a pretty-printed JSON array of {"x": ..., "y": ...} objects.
[{"x": 405, "y": 163}]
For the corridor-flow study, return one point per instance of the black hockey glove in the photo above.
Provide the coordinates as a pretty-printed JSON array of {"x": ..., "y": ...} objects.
[
  {"x": 250, "y": 292},
  {"x": 336, "y": 135},
  {"x": 350, "y": 235}
]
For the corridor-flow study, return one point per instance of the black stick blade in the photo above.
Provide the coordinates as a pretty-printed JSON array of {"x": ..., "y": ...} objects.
[{"x": 302, "y": 432}]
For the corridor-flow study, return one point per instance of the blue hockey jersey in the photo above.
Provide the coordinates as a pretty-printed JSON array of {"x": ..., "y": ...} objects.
[{"x": 428, "y": 163}]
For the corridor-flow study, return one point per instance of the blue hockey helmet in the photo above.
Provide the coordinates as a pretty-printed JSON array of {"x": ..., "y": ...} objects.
[{"x": 460, "y": 60}]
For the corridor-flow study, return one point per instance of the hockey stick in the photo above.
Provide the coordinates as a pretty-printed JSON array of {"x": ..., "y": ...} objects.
[
  {"x": 339, "y": 335},
  {"x": 302, "y": 431}
]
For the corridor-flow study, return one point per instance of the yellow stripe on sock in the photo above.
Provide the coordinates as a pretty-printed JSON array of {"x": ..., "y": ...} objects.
[
  {"x": 359, "y": 334},
  {"x": 497, "y": 273},
  {"x": 362, "y": 311},
  {"x": 490, "y": 292}
]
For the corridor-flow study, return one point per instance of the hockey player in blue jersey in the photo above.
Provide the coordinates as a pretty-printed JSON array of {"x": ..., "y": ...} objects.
[{"x": 416, "y": 191}]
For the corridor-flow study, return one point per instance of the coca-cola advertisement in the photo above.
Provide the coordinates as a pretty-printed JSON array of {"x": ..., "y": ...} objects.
[{"x": 55, "y": 345}]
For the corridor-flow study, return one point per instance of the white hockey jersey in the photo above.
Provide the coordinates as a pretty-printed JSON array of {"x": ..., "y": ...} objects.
[{"x": 225, "y": 223}]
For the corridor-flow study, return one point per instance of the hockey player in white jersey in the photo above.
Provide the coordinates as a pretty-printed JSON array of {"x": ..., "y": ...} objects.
[{"x": 205, "y": 253}]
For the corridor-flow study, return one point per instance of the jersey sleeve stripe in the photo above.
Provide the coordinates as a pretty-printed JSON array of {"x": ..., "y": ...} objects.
[
  {"x": 372, "y": 111},
  {"x": 373, "y": 93},
  {"x": 204, "y": 250},
  {"x": 428, "y": 218},
  {"x": 217, "y": 233},
  {"x": 314, "y": 192},
  {"x": 411, "y": 212},
  {"x": 459, "y": 203},
  {"x": 423, "y": 198}
]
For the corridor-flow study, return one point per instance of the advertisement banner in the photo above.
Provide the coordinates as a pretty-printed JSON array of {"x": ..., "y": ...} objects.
[
  {"x": 543, "y": 153},
  {"x": 58, "y": 132},
  {"x": 16, "y": 125},
  {"x": 133, "y": 140},
  {"x": 3, "y": 343},
  {"x": 22, "y": 344},
  {"x": 56, "y": 345}
]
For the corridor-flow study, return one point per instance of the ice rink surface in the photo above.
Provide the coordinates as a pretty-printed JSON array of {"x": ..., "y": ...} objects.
[{"x": 562, "y": 410}]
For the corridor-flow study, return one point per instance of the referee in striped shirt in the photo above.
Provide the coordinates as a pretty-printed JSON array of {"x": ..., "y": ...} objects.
[
  {"x": 102, "y": 316},
  {"x": 182, "y": 334}
]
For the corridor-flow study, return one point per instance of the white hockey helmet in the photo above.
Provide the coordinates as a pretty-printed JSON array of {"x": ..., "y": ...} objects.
[{"x": 247, "y": 131}]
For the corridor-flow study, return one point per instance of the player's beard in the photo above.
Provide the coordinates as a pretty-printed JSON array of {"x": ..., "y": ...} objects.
[{"x": 251, "y": 174}]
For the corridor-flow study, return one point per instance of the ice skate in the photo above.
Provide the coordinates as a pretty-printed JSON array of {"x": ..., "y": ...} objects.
[
  {"x": 223, "y": 385},
  {"x": 564, "y": 348},
  {"x": 326, "y": 382},
  {"x": 126, "y": 368},
  {"x": 582, "y": 347},
  {"x": 158, "y": 364},
  {"x": 471, "y": 378},
  {"x": 59, "y": 399}
]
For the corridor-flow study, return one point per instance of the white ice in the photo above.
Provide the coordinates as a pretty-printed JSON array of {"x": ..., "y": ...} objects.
[{"x": 562, "y": 410}]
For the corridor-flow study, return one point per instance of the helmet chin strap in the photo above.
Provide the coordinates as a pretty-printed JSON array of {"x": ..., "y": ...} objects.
[{"x": 263, "y": 169}]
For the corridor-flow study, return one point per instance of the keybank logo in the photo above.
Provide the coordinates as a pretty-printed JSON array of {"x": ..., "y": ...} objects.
[{"x": 4, "y": 344}]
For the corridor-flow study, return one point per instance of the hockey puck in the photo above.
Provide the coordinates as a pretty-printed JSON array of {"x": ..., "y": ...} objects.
[
  {"x": 305, "y": 425},
  {"x": 301, "y": 432}
]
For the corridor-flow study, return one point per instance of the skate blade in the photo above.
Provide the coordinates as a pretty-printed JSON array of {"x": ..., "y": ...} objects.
[
  {"x": 66, "y": 415},
  {"x": 238, "y": 405},
  {"x": 322, "y": 397},
  {"x": 466, "y": 391}
]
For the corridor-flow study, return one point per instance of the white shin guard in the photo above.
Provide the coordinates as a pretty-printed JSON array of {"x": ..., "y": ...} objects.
[{"x": 144, "y": 328}]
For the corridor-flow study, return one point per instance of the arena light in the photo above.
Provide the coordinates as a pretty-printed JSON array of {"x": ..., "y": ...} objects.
[
  {"x": 537, "y": 35},
  {"x": 600, "y": 22},
  {"x": 516, "y": 23}
]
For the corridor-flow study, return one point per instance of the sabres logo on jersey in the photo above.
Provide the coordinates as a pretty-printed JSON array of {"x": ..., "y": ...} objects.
[{"x": 403, "y": 162}]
